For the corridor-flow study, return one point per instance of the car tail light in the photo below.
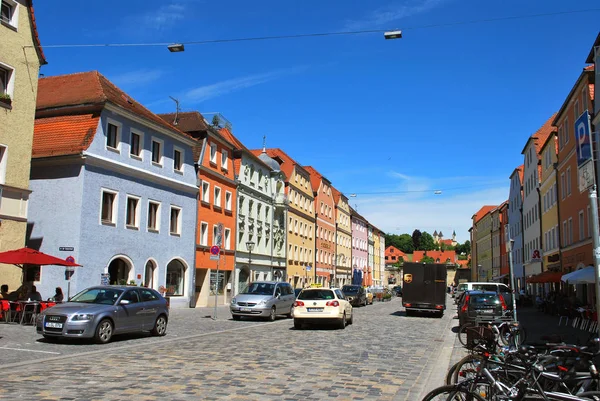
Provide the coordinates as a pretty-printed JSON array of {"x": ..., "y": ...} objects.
[
  {"x": 332, "y": 303},
  {"x": 502, "y": 302},
  {"x": 298, "y": 303},
  {"x": 406, "y": 304},
  {"x": 439, "y": 307},
  {"x": 168, "y": 303},
  {"x": 465, "y": 304}
]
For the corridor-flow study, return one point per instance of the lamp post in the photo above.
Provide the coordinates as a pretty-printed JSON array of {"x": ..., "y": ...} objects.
[{"x": 250, "y": 247}]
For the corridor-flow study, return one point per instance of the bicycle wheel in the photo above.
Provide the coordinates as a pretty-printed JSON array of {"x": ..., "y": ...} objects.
[
  {"x": 466, "y": 368},
  {"x": 450, "y": 374},
  {"x": 451, "y": 393},
  {"x": 462, "y": 333},
  {"x": 590, "y": 395},
  {"x": 504, "y": 335},
  {"x": 517, "y": 337}
]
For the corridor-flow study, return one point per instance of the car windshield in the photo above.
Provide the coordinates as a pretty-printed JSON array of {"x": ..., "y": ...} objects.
[
  {"x": 350, "y": 289},
  {"x": 309, "y": 295},
  {"x": 105, "y": 296},
  {"x": 483, "y": 299},
  {"x": 259, "y": 289}
]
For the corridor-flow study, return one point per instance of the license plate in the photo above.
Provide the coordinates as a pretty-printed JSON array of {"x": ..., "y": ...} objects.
[
  {"x": 54, "y": 325},
  {"x": 487, "y": 311},
  {"x": 245, "y": 309},
  {"x": 314, "y": 309}
]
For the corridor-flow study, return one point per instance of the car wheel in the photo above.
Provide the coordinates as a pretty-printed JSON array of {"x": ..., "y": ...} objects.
[
  {"x": 297, "y": 324},
  {"x": 236, "y": 317},
  {"x": 291, "y": 314},
  {"x": 104, "y": 331},
  {"x": 160, "y": 326},
  {"x": 342, "y": 322},
  {"x": 272, "y": 315},
  {"x": 365, "y": 303},
  {"x": 351, "y": 321}
]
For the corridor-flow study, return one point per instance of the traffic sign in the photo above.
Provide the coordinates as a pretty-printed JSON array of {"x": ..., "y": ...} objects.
[
  {"x": 215, "y": 250},
  {"x": 586, "y": 175},
  {"x": 70, "y": 259},
  {"x": 583, "y": 138},
  {"x": 214, "y": 257}
]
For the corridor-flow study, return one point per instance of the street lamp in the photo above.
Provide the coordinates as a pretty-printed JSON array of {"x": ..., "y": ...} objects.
[
  {"x": 393, "y": 34},
  {"x": 176, "y": 47},
  {"x": 250, "y": 246}
]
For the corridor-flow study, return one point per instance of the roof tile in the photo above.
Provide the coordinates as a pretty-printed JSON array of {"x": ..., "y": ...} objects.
[{"x": 63, "y": 135}]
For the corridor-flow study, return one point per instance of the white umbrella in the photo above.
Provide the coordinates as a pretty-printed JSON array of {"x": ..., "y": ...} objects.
[{"x": 587, "y": 275}]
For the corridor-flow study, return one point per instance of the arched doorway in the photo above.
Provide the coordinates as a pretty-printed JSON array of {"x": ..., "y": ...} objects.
[
  {"x": 118, "y": 271},
  {"x": 243, "y": 279},
  {"x": 175, "y": 278},
  {"x": 149, "y": 274}
]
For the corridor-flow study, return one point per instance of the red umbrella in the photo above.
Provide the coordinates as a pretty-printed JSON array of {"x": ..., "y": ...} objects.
[{"x": 28, "y": 256}]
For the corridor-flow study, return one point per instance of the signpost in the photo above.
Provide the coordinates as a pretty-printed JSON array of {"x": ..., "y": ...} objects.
[{"x": 215, "y": 253}]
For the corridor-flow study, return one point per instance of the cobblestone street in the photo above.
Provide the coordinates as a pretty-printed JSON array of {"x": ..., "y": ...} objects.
[{"x": 384, "y": 355}]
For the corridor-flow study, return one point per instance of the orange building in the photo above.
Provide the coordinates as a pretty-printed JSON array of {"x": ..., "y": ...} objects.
[
  {"x": 573, "y": 205},
  {"x": 325, "y": 227},
  {"x": 394, "y": 255},
  {"x": 216, "y": 207}
]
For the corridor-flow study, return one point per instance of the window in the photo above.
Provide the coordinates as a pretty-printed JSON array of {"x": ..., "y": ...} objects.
[
  {"x": 3, "y": 159},
  {"x": 568, "y": 181},
  {"x": 570, "y": 230},
  {"x": 576, "y": 108},
  {"x": 215, "y": 235},
  {"x": 9, "y": 12},
  {"x": 175, "y": 226},
  {"x": 581, "y": 226},
  {"x": 213, "y": 153},
  {"x": 157, "y": 153},
  {"x": 109, "y": 207},
  {"x": 217, "y": 197},
  {"x": 228, "y": 200},
  {"x": 563, "y": 185},
  {"x": 224, "y": 159},
  {"x": 205, "y": 192},
  {"x": 566, "y": 130},
  {"x": 175, "y": 280},
  {"x": 227, "y": 238},
  {"x": 153, "y": 216},
  {"x": 148, "y": 295},
  {"x": 113, "y": 135},
  {"x": 132, "y": 214},
  {"x": 178, "y": 160},
  {"x": 6, "y": 80},
  {"x": 135, "y": 144},
  {"x": 204, "y": 233}
]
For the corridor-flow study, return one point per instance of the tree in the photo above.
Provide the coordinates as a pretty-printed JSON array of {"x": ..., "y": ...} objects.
[
  {"x": 416, "y": 239},
  {"x": 426, "y": 242},
  {"x": 427, "y": 259},
  {"x": 399, "y": 263},
  {"x": 406, "y": 243}
]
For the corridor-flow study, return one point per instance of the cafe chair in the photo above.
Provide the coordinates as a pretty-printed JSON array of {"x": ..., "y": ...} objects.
[{"x": 5, "y": 310}]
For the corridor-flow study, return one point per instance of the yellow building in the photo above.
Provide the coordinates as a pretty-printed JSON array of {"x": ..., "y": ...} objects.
[
  {"x": 20, "y": 59},
  {"x": 343, "y": 239},
  {"x": 376, "y": 258},
  {"x": 549, "y": 204},
  {"x": 300, "y": 269},
  {"x": 482, "y": 236}
]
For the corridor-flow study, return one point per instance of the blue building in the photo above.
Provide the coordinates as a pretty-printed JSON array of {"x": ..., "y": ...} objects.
[{"x": 114, "y": 187}]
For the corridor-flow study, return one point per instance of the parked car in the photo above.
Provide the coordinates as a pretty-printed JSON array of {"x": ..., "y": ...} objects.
[
  {"x": 263, "y": 299},
  {"x": 397, "y": 290},
  {"x": 103, "y": 311},
  {"x": 297, "y": 291},
  {"x": 322, "y": 305},
  {"x": 481, "y": 306},
  {"x": 485, "y": 286},
  {"x": 355, "y": 294}
]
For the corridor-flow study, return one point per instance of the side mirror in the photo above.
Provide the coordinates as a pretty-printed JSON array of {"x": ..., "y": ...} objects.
[{"x": 124, "y": 302}]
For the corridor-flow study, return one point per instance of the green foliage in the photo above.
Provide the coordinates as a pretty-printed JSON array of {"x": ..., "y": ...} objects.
[
  {"x": 400, "y": 262},
  {"x": 463, "y": 248},
  {"x": 4, "y": 96},
  {"x": 427, "y": 259},
  {"x": 426, "y": 242},
  {"x": 416, "y": 239},
  {"x": 402, "y": 242}
]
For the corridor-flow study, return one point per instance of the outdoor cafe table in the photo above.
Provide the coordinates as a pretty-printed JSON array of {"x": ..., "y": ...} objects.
[{"x": 29, "y": 307}]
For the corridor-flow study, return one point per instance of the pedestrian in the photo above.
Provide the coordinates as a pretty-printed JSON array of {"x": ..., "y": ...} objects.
[
  {"x": 34, "y": 295},
  {"x": 4, "y": 291},
  {"x": 58, "y": 295}
]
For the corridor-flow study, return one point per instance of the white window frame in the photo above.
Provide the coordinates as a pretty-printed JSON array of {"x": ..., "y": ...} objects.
[
  {"x": 161, "y": 153},
  {"x": 581, "y": 226},
  {"x": 14, "y": 17},
  {"x": 140, "y": 134},
  {"x": 136, "y": 217},
  {"x": 10, "y": 84},
  {"x": 228, "y": 199},
  {"x": 227, "y": 238},
  {"x": 213, "y": 153},
  {"x": 3, "y": 162},
  {"x": 117, "y": 149},
  {"x": 180, "y": 212},
  {"x": 214, "y": 236},
  {"x": 217, "y": 197},
  {"x": 203, "y": 233},
  {"x": 181, "y": 152},
  {"x": 205, "y": 195},
  {"x": 155, "y": 229},
  {"x": 224, "y": 159},
  {"x": 115, "y": 208}
]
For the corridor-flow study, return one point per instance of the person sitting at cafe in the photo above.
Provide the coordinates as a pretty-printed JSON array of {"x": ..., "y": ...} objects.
[
  {"x": 58, "y": 295},
  {"x": 4, "y": 291},
  {"x": 34, "y": 295}
]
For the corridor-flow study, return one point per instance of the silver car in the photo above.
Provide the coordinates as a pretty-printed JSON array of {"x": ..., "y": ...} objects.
[
  {"x": 264, "y": 299},
  {"x": 100, "y": 312}
]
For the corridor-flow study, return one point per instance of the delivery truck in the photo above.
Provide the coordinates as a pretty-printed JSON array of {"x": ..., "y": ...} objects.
[{"x": 424, "y": 288}]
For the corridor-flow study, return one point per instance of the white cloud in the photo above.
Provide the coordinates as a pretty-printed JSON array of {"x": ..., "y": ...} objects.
[
  {"x": 395, "y": 12},
  {"x": 164, "y": 17},
  {"x": 136, "y": 78},
  {"x": 205, "y": 92}
]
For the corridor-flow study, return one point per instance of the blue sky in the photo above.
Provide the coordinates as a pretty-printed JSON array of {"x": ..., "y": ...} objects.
[{"x": 446, "y": 107}]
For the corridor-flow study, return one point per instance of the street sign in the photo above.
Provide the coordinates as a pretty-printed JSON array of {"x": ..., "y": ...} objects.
[
  {"x": 104, "y": 278},
  {"x": 66, "y": 248},
  {"x": 214, "y": 257},
  {"x": 586, "y": 175},
  {"x": 70, "y": 259},
  {"x": 215, "y": 250},
  {"x": 583, "y": 140}
]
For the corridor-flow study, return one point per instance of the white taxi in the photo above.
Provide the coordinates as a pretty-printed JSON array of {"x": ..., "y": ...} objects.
[{"x": 322, "y": 305}]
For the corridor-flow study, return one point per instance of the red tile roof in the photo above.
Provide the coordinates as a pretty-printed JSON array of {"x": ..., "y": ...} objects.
[
  {"x": 63, "y": 135},
  {"x": 392, "y": 250},
  {"x": 315, "y": 178},
  {"x": 542, "y": 134},
  {"x": 287, "y": 165},
  {"x": 442, "y": 256},
  {"x": 463, "y": 262},
  {"x": 587, "y": 74},
  {"x": 190, "y": 121},
  {"x": 34, "y": 34},
  {"x": 483, "y": 211}
]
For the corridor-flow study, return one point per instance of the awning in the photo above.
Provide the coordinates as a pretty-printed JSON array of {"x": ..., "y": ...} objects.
[
  {"x": 587, "y": 275},
  {"x": 546, "y": 277}
]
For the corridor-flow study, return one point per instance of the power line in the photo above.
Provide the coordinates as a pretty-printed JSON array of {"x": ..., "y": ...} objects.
[{"x": 320, "y": 34}]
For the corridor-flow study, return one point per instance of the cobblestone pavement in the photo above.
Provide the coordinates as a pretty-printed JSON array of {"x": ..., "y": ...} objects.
[{"x": 384, "y": 355}]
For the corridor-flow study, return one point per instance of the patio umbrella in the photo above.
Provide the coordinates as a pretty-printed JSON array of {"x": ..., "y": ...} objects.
[
  {"x": 28, "y": 256},
  {"x": 587, "y": 275}
]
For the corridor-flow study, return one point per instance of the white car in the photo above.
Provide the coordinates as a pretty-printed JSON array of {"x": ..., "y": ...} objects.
[{"x": 322, "y": 305}]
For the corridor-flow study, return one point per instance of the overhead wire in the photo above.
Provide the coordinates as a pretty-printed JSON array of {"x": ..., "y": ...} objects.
[{"x": 322, "y": 34}]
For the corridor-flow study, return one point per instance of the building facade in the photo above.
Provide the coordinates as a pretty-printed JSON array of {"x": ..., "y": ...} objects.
[
  {"x": 515, "y": 225},
  {"x": 382, "y": 276},
  {"x": 126, "y": 190},
  {"x": 360, "y": 242},
  {"x": 549, "y": 197},
  {"x": 21, "y": 57},
  {"x": 495, "y": 234},
  {"x": 376, "y": 258},
  {"x": 482, "y": 238},
  {"x": 504, "y": 267},
  {"x": 343, "y": 239}
]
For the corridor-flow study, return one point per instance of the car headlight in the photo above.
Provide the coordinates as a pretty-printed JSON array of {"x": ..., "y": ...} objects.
[
  {"x": 262, "y": 302},
  {"x": 233, "y": 301},
  {"x": 82, "y": 317}
]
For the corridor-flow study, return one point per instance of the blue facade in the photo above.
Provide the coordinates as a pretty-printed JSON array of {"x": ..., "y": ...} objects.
[{"x": 67, "y": 202}]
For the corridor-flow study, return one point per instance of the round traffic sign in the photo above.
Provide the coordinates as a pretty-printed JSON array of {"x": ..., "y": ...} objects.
[
  {"x": 70, "y": 259},
  {"x": 214, "y": 250}
]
